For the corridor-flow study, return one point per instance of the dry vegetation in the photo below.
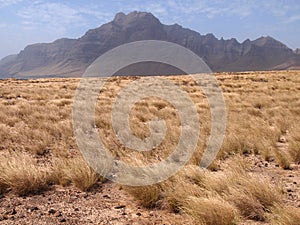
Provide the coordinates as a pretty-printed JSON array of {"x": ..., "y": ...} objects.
[{"x": 38, "y": 149}]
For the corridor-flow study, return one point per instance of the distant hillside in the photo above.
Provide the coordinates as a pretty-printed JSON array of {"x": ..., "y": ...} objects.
[{"x": 70, "y": 57}]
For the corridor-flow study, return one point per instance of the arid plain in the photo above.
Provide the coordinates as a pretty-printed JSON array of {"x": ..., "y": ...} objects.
[{"x": 254, "y": 179}]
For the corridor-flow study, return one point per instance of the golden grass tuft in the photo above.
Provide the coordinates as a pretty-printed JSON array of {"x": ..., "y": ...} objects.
[
  {"x": 285, "y": 215},
  {"x": 20, "y": 174},
  {"x": 148, "y": 196},
  {"x": 283, "y": 159},
  {"x": 254, "y": 196},
  {"x": 294, "y": 144},
  {"x": 77, "y": 172},
  {"x": 210, "y": 211},
  {"x": 176, "y": 193},
  {"x": 294, "y": 150}
]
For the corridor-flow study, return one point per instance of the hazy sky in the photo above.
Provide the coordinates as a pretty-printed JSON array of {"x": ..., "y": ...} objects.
[{"x": 23, "y": 22}]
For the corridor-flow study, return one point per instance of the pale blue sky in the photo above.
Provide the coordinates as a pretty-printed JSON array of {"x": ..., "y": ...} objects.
[{"x": 23, "y": 22}]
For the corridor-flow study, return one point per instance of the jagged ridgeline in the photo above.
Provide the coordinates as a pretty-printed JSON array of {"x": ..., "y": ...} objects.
[{"x": 70, "y": 57}]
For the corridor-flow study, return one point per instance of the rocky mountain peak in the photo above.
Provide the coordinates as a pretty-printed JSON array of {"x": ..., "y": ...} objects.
[
  {"x": 268, "y": 41},
  {"x": 70, "y": 57},
  {"x": 134, "y": 17}
]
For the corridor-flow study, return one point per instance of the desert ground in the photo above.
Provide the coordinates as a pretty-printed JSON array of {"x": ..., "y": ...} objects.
[{"x": 255, "y": 178}]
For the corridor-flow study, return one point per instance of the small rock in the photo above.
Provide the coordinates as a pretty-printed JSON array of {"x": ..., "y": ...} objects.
[
  {"x": 106, "y": 196},
  {"x": 120, "y": 207},
  {"x": 85, "y": 195},
  {"x": 34, "y": 208},
  {"x": 58, "y": 214},
  {"x": 289, "y": 190},
  {"x": 139, "y": 214},
  {"x": 52, "y": 211},
  {"x": 63, "y": 220},
  {"x": 282, "y": 140},
  {"x": 76, "y": 209},
  {"x": 11, "y": 212},
  {"x": 14, "y": 212}
]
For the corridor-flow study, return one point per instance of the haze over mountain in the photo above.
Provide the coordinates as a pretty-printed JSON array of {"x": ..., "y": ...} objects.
[{"x": 70, "y": 57}]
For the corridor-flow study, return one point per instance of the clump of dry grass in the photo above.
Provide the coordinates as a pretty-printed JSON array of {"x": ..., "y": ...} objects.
[
  {"x": 172, "y": 192},
  {"x": 148, "y": 196},
  {"x": 254, "y": 197},
  {"x": 285, "y": 215},
  {"x": 188, "y": 192},
  {"x": 283, "y": 159},
  {"x": 294, "y": 144},
  {"x": 77, "y": 172},
  {"x": 20, "y": 174},
  {"x": 221, "y": 181},
  {"x": 210, "y": 211},
  {"x": 294, "y": 150},
  {"x": 176, "y": 193}
]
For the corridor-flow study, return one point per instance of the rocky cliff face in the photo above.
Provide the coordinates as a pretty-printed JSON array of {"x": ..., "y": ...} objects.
[{"x": 70, "y": 57}]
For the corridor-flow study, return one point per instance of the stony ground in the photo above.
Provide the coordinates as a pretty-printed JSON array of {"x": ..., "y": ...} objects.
[{"x": 106, "y": 204}]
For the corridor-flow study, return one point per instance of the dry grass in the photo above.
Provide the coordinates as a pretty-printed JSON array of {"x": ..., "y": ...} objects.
[
  {"x": 77, "y": 172},
  {"x": 285, "y": 215},
  {"x": 294, "y": 146},
  {"x": 220, "y": 197},
  {"x": 254, "y": 197},
  {"x": 148, "y": 196},
  {"x": 210, "y": 211},
  {"x": 283, "y": 159},
  {"x": 20, "y": 174},
  {"x": 262, "y": 107}
]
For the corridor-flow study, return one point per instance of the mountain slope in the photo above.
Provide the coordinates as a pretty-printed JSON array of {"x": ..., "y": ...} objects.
[{"x": 70, "y": 57}]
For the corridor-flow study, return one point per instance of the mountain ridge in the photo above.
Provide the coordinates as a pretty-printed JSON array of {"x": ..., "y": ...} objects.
[{"x": 70, "y": 57}]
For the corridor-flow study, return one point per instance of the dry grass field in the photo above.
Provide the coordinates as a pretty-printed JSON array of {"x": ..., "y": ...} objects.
[{"x": 254, "y": 180}]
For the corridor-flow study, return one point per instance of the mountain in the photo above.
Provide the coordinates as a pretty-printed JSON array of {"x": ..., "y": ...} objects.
[{"x": 70, "y": 57}]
